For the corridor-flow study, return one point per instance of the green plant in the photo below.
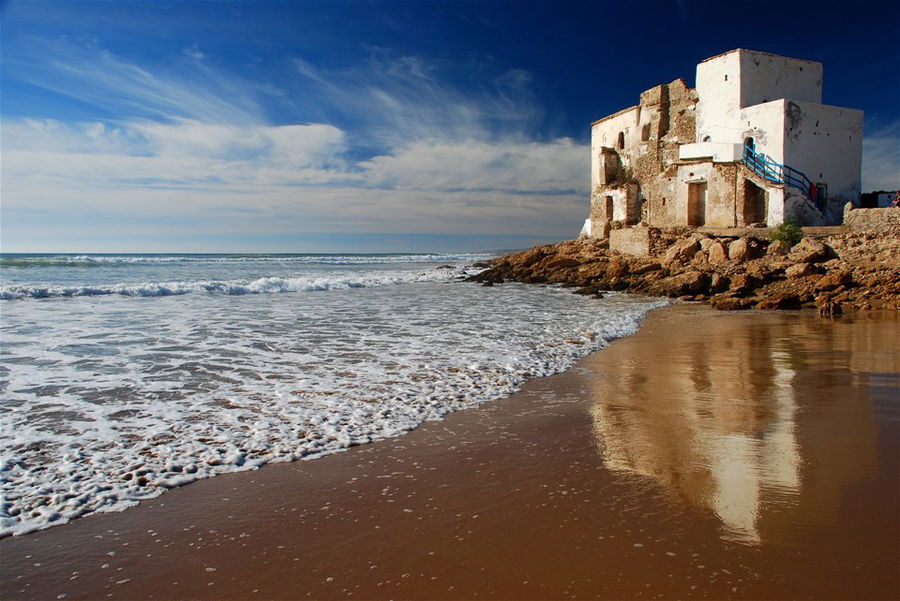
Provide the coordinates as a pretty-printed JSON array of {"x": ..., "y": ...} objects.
[{"x": 788, "y": 232}]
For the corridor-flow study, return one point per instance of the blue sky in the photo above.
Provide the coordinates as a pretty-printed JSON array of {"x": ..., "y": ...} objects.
[{"x": 366, "y": 126}]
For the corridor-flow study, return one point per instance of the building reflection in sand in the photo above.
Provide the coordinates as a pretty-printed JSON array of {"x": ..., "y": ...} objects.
[{"x": 764, "y": 424}]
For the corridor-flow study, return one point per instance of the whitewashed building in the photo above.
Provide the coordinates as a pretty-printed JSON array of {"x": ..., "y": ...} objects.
[{"x": 751, "y": 144}]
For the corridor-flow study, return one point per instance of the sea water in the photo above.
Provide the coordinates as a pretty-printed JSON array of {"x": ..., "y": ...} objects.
[{"x": 124, "y": 375}]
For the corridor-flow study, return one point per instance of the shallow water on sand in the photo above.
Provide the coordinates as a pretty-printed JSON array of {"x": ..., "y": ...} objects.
[
  {"x": 124, "y": 376},
  {"x": 710, "y": 456}
]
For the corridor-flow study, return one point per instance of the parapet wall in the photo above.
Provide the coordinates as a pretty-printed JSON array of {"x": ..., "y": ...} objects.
[{"x": 875, "y": 221}]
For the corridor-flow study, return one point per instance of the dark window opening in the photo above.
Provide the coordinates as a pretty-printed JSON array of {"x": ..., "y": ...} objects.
[
  {"x": 645, "y": 132},
  {"x": 620, "y": 143}
]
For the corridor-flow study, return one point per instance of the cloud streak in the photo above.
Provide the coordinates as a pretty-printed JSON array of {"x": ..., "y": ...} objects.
[
  {"x": 881, "y": 157},
  {"x": 385, "y": 146}
]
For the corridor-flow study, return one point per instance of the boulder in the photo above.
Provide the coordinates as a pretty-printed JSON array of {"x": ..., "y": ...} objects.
[
  {"x": 833, "y": 280},
  {"x": 778, "y": 248},
  {"x": 682, "y": 251},
  {"x": 808, "y": 251},
  {"x": 799, "y": 270},
  {"x": 641, "y": 269},
  {"x": 717, "y": 253},
  {"x": 743, "y": 249},
  {"x": 787, "y": 300},
  {"x": 725, "y": 302},
  {"x": 718, "y": 283},
  {"x": 744, "y": 284},
  {"x": 618, "y": 267},
  {"x": 690, "y": 282}
]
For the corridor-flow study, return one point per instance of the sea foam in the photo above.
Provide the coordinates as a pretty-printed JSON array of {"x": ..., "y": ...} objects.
[{"x": 109, "y": 400}]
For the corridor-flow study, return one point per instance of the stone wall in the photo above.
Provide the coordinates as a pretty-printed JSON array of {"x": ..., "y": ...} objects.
[
  {"x": 874, "y": 221},
  {"x": 634, "y": 241}
]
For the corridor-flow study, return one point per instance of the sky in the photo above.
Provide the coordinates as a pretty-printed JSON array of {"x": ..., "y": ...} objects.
[{"x": 366, "y": 126}]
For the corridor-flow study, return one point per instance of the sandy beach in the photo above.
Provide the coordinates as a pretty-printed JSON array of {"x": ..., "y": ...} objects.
[{"x": 711, "y": 455}]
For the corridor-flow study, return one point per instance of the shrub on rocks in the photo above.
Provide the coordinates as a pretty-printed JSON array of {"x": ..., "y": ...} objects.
[{"x": 788, "y": 232}]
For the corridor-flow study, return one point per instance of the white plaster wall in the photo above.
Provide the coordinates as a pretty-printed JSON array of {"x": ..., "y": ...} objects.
[
  {"x": 719, "y": 98},
  {"x": 606, "y": 132},
  {"x": 825, "y": 143},
  {"x": 740, "y": 79},
  {"x": 620, "y": 202},
  {"x": 765, "y": 124},
  {"x": 718, "y": 152},
  {"x": 775, "y": 214},
  {"x": 766, "y": 77}
]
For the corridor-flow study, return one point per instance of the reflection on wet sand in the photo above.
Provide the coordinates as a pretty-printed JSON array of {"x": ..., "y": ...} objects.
[{"x": 757, "y": 424}]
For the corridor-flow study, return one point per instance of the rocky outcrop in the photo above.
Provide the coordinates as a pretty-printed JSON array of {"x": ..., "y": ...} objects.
[{"x": 843, "y": 272}]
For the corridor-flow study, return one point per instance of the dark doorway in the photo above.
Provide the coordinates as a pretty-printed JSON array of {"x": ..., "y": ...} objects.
[
  {"x": 696, "y": 204},
  {"x": 754, "y": 209}
]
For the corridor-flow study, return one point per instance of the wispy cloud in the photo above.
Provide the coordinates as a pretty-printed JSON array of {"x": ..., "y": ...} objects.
[
  {"x": 90, "y": 74},
  {"x": 881, "y": 157},
  {"x": 390, "y": 145}
]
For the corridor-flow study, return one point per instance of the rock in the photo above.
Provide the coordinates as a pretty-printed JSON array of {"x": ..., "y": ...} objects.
[
  {"x": 618, "y": 267},
  {"x": 799, "y": 270},
  {"x": 705, "y": 243},
  {"x": 808, "y": 251},
  {"x": 724, "y": 302},
  {"x": 833, "y": 280},
  {"x": 682, "y": 251},
  {"x": 690, "y": 282},
  {"x": 827, "y": 307},
  {"x": 717, "y": 253},
  {"x": 641, "y": 269},
  {"x": 718, "y": 283},
  {"x": 564, "y": 263},
  {"x": 780, "y": 301},
  {"x": 744, "y": 284},
  {"x": 778, "y": 248},
  {"x": 743, "y": 249}
]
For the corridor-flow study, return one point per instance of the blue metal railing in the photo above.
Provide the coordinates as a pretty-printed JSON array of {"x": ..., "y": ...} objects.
[{"x": 765, "y": 167}]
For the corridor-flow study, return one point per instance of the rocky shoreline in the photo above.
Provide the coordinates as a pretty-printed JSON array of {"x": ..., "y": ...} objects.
[{"x": 856, "y": 271}]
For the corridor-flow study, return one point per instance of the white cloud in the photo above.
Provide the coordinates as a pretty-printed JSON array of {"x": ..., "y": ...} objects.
[
  {"x": 881, "y": 158},
  {"x": 416, "y": 155}
]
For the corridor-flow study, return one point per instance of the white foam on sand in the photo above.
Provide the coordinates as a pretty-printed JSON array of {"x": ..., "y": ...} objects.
[{"x": 113, "y": 399}]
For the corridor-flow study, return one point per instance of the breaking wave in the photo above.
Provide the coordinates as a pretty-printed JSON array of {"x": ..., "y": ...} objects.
[{"x": 263, "y": 285}]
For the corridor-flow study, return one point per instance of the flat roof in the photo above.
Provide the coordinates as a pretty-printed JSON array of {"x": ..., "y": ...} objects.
[
  {"x": 803, "y": 60},
  {"x": 608, "y": 117}
]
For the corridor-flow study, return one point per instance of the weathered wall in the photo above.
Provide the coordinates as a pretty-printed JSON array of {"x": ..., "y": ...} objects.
[
  {"x": 875, "y": 221},
  {"x": 605, "y": 133},
  {"x": 616, "y": 202},
  {"x": 631, "y": 241},
  {"x": 719, "y": 208},
  {"x": 765, "y": 124},
  {"x": 825, "y": 143},
  {"x": 719, "y": 91},
  {"x": 766, "y": 77},
  {"x": 743, "y": 78}
]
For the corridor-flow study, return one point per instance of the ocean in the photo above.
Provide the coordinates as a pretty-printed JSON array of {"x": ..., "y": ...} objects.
[{"x": 124, "y": 375}]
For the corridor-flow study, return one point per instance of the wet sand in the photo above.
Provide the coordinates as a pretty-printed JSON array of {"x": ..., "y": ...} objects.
[{"x": 712, "y": 455}]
